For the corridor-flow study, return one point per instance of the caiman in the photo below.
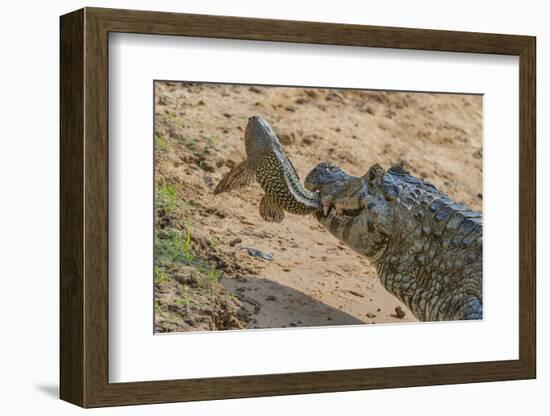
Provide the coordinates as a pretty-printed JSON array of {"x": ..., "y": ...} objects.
[{"x": 427, "y": 248}]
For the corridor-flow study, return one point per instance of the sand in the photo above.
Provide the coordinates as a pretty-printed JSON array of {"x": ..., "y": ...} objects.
[{"x": 312, "y": 279}]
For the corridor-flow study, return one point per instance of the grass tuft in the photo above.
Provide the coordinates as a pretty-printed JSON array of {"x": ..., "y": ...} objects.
[
  {"x": 171, "y": 247},
  {"x": 167, "y": 198},
  {"x": 161, "y": 277},
  {"x": 161, "y": 142}
]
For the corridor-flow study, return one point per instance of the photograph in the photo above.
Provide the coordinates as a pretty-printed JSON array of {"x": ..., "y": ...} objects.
[
  {"x": 290, "y": 206},
  {"x": 305, "y": 218}
]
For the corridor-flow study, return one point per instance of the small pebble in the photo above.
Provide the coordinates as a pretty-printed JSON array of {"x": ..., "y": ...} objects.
[
  {"x": 237, "y": 240},
  {"x": 399, "y": 313}
]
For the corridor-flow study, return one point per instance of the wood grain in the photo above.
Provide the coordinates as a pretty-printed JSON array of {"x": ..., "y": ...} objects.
[
  {"x": 527, "y": 208},
  {"x": 71, "y": 100},
  {"x": 84, "y": 206}
]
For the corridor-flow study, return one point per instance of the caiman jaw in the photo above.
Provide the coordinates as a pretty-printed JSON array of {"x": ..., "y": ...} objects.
[
  {"x": 324, "y": 174},
  {"x": 311, "y": 186}
]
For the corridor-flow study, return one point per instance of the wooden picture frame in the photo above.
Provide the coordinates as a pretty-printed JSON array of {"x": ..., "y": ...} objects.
[{"x": 84, "y": 207}]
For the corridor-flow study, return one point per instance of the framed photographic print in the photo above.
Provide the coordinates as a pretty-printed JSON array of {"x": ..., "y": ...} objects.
[{"x": 256, "y": 207}]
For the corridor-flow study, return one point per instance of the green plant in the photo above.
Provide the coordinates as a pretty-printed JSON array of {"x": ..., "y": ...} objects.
[
  {"x": 171, "y": 246},
  {"x": 167, "y": 198},
  {"x": 213, "y": 241},
  {"x": 209, "y": 143},
  {"x": 182, "y": 301},
  {"x": 213, "y": 275},
  {"x": 159, "y": 307},
  {"x": 186, "y": 248},
  {"x": 161, "y": 277},
  {"x": 161, "y": 142},
  {"x": 175, "y": 120},
  {"x": 191, "y": 143}
]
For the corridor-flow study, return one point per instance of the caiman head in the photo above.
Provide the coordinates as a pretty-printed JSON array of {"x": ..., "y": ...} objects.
[
  {"x": 361, "y": 217},
  {"x": 324, "y": 176}
]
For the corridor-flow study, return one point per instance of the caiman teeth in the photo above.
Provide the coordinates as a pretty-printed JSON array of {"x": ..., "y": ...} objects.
[{"x": 327, "y": 210}]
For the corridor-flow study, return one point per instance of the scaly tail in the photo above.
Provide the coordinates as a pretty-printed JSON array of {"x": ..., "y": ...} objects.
[{"x": 237, "y": 178}]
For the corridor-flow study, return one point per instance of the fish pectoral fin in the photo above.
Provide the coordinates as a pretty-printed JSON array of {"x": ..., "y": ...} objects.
[
  {"x": 237, "y": 178},
  {"x": 270, "y": 209}
]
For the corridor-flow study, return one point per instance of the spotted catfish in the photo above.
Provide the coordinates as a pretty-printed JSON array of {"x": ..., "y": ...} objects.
[{"x": 267, "y": 163}]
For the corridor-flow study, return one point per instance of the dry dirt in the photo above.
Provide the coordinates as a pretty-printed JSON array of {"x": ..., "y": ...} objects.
[{"x": 205, "y": 279}]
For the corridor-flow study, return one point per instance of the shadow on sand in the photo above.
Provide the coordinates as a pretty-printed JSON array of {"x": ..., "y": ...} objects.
[{"x": 274, "y": 305}]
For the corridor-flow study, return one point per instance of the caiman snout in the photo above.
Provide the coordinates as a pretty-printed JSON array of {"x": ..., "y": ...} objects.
[{"x": 324, "y": 173}]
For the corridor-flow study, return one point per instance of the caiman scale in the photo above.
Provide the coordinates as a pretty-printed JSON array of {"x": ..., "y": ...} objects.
[{"x": 427, "y": 249}]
